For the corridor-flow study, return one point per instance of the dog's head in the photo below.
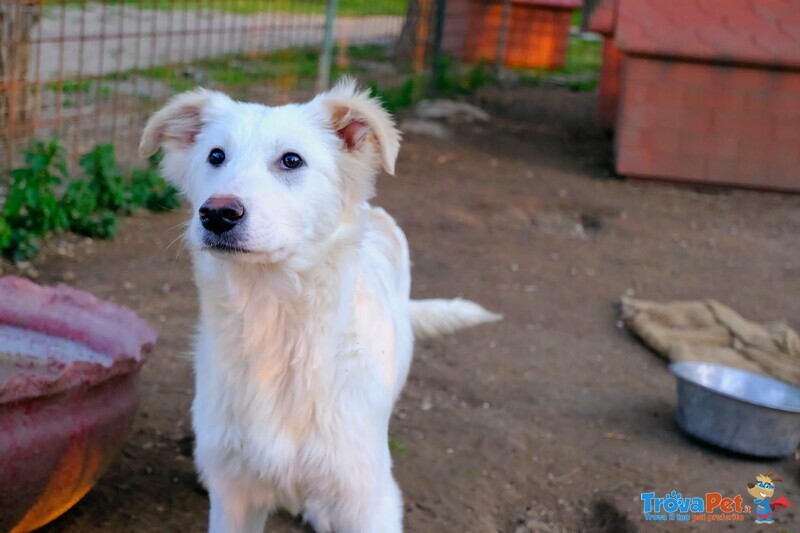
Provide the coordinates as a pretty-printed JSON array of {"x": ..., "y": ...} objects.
[{"x": 270, "y": 183}]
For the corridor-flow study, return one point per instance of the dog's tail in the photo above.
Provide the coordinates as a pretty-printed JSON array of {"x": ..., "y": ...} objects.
[{"x": 434, "y": 317}]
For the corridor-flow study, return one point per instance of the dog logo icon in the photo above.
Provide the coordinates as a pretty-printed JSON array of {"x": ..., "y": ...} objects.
[{"x": 762, "y": 491}]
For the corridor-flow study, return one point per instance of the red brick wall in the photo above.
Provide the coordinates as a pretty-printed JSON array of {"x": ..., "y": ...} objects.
[{"x": 709, "y": 123}]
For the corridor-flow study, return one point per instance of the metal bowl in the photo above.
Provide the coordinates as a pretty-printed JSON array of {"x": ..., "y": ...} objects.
[{"x": 737, "y": 410}]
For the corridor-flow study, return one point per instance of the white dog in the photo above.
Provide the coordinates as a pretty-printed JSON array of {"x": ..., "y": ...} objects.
[{"x": 306, "y": 326}]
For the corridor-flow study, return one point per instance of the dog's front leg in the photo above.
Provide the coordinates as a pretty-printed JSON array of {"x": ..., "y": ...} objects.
[
  {"x": 365, "y": 508},
  {"x": 238, "y": 504},
  {"x": 232, "y": 513}
]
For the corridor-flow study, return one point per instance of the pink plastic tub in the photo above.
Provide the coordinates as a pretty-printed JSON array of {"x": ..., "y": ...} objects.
[{"x": 69, "y": 373}]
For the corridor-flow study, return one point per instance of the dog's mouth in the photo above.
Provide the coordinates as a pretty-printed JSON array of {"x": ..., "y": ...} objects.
[
  {"x": 222, "y": 245},
  {"x": 225, "y": 248},
  {"x": 235, "y": 249}
]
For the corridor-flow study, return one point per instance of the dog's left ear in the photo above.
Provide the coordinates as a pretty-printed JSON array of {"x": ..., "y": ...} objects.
[{"x": 365, "y": 127}]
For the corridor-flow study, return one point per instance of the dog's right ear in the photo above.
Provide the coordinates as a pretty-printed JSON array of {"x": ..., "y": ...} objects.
[
  {"x": 365, "y": 127},
  {"x": 177, "y": 124}
]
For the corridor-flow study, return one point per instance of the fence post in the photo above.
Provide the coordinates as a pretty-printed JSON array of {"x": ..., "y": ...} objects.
[
  {"x": 326, "y": 57},
  {"x": 441, "y": 7},
  {"x": 503, "y": 36},
  {"x": 588, "y": 8}
]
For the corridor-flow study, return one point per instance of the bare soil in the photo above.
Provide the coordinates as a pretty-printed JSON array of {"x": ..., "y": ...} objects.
[{"x": 554, "y": 419}]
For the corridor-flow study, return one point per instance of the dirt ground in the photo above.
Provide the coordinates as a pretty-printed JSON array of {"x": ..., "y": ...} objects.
[{"x": 554, "y": 419}]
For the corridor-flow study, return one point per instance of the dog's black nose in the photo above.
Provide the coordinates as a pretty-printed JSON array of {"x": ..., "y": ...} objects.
[{"x": 221, "y": 213}]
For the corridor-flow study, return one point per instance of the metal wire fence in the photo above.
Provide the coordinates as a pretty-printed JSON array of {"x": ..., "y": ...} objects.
[{"x": 89, "y": 72}]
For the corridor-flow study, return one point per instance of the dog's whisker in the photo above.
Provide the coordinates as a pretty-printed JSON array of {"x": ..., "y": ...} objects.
[
  {"x": 182, "y": 248},
  {"x": 179, "y": 239}
]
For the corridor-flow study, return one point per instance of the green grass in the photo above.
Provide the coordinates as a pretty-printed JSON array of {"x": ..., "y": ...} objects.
[
  {"x": 70, "y": 86},
  {"x": 245, "y": 7},
  {"x": 401, "y": 96},
  {"x": 287, "y": 66},
  {"x": 584, "y": 55},
  {"x": 396, "y": 446},
  {"x": 577, "y": 18},
  {"x": 373, "y": 52},
  {"x": 453, "y": 80},
  {"x": 235, "y": 70}
]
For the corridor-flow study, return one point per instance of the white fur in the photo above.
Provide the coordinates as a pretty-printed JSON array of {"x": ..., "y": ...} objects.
[
  {"x": 434, "y": 317},
  {"x": 305, "y": 337}
]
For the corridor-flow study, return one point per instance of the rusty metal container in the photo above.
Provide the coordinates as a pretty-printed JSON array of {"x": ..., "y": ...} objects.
[{"x": 538, "y": 31}]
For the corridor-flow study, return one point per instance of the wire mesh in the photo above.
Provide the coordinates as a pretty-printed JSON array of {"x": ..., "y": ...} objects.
[{"x": 89, "y": 72}]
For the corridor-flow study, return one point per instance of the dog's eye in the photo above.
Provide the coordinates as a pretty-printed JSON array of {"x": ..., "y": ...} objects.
[
  {"x": 291, "y": 161},
  {"x": 216, "y": 157}
]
